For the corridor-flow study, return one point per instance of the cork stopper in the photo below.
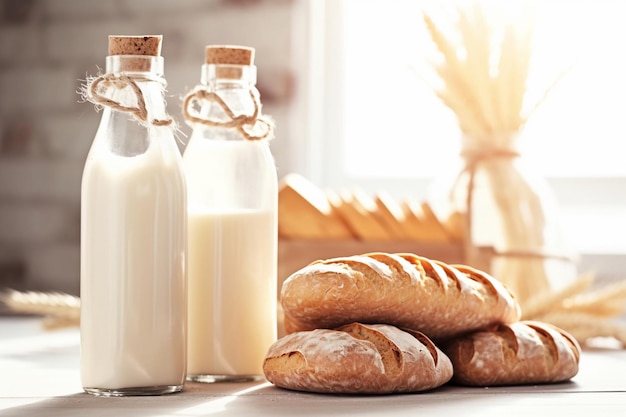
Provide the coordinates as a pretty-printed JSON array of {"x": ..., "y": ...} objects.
[
  {"x": 135, "y": 45},
  {"x": 136, "y": 53},
  {"x": 229, "y": 55}
]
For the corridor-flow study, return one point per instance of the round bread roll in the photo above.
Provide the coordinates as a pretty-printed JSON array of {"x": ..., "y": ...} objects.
[
  {"x": 357, "y": 359},
  {"x": 403, "y": 290},
  {"x": 527, "y": 352}
]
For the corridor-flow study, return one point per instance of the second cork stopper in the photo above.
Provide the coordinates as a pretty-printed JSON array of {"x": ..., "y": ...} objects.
[
  {"x": 135, "y": 45},
  {"x": 229, "y": 55}
]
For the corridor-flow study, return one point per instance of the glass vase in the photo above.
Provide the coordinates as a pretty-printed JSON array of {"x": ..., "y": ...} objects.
[{"x": 505, "y": 214}]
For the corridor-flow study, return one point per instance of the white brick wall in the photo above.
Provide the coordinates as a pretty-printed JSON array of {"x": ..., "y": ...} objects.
[
  {"x": 29, "y": 89},
  {"x": 67, "y": 136},
  {"x": 46, "y": 132},
  {"x": 182, "y": 8},
  {"x": 19, "y": 44},
  {"x": 40, "y": 179},
  {"x": 54, "y": 267},
  {"x": 26, "y": 224},
  {"x": 72, "y": 10}
]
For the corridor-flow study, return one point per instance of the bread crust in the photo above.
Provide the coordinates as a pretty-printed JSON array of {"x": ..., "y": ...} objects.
[
  {"x": 357, "y": 359},
  {"x": 404, "y": 290},
  {"x": 527, "y": 352}
]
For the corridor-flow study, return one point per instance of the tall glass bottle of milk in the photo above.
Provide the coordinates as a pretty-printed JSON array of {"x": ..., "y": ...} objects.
[
  {"x": 232, "y": 216},
  {"x": 133, "y": 232}
]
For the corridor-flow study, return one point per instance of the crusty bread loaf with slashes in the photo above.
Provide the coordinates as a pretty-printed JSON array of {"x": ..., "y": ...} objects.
[
  {"x": 526, "y": 352},
  {"x": 403, "y": 290},
  {"x": 357, "y": 359}
]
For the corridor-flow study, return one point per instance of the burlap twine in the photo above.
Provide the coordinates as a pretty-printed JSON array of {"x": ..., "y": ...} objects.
[
  {"x": 472, "y": 251},
  {"x": 247, "y": 125},
  {"x": 120, "y": 82}
]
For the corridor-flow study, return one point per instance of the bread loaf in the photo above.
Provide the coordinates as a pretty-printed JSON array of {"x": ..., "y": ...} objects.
[
  {"x": 527, "y": 352},
  {"x": 357, "y": 359},
  {"x": 403, "y": 290}
]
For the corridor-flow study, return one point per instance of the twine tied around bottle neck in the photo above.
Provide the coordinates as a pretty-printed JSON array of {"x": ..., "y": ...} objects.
[
  {"x": 245, "y": 124},
  {"x": 120, "y": 82},
  {"x": 472, "y": 160},
  {"x": 473, "y": 253}
]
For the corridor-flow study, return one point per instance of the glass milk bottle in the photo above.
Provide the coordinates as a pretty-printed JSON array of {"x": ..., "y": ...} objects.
[
  {"x": 133, "y": 232},
  {"x": 232, "y": 202}
]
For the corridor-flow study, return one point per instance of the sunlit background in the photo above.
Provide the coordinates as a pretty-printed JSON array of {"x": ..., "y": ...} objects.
[
  {"x": 344, "y": 81},
  {"x": 398, "y": 136}
]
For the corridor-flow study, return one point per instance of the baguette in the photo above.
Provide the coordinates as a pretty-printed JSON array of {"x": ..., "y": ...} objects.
[
  {"x": 357, "y": 359},
  {"x": 527, "y": 352},
  {"x": 403, "y": 290}
]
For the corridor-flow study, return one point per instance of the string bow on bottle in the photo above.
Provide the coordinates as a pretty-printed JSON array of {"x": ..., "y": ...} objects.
[
  {"x": 252, "y": 127},
  {"x": 120, "y": 82}
]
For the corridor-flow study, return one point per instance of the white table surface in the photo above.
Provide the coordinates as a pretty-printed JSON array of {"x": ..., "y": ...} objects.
[{"x": 39, "y": 376}]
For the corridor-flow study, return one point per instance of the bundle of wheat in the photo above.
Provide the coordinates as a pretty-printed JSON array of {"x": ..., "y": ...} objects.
[
  {"x": 483, "y": 71},
  {"x": 482, "y": 77}
]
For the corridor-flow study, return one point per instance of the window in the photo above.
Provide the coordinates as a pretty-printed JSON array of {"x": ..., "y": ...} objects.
[{"x": 383, "y": 128}]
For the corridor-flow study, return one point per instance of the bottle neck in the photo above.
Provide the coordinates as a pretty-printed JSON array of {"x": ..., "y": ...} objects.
[
  {"x": 226, "y": 105},
  {"x": 133, "y": 84},
  {"x": 221, "y": 76},
  {"x": 141, "y": 65}
]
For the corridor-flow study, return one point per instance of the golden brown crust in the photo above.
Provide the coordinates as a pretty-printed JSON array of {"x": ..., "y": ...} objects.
[
  {"x": 403, "y": 290},
  {"x": 357, "y": 359},
  {"x": 526, "y": 352}
]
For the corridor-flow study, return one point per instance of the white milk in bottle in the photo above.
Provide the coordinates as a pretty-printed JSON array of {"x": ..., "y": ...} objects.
[
  {"x": 232, "y": 217},
  {"x": 133, "y": 233}
]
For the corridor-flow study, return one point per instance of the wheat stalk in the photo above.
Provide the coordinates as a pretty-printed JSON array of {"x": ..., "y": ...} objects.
[
  {"x": 484, "y": 82},
  {"x": 609, "y": 301},
  {"x": 585, "y": 313},
  {"x": 585, "y": 327},
  {"x": 484, "y": 97},
  {"x": 547, "y": 300},
  {"x": 59, "y": 309}
]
